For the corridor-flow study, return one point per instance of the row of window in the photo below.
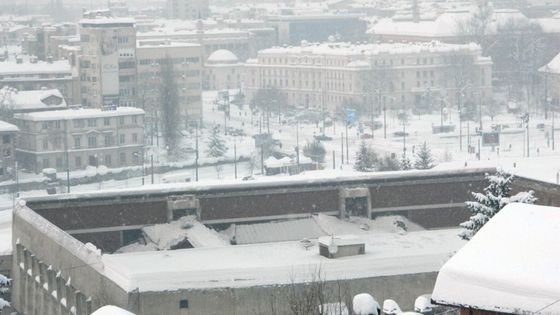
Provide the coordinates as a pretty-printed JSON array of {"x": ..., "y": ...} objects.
[
  {"x": 93, "y": 160},
  {"x": 92, "y": 122}
]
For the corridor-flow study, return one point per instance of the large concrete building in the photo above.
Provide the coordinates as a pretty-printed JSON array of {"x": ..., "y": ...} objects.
[
  {"x": 76, "y": 138},
  {"x": 292, "y": 29},
  {"x": 187, "y": 66},
  {"x": 107, "y": 62},
  {"x": 188, "y": 9},
  {"x": 398, "y": 76}
]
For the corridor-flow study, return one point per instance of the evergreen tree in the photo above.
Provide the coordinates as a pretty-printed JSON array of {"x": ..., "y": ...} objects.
[
  {"x": 496, "y": 196},
  {"x": 388, "y": 163},
  {"x": 315, "y": 151},
  {"x": 424, "y": 159},
  {"x": 217, "y": 146},
  {"x": 365, "y": 158},
  {"x": 405, "y": 163},
  {"x": 169, "y": 98},
  {"x": 5, "y": 283}
]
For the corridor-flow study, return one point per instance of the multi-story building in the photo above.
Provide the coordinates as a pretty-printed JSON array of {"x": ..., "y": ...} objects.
[
  {"x": 188, "y": 9},
  {"x": 292, "y": 29},
  {"x": 29, "y": 74},
  {"x": 7, "y": 149},
  {"x": 108, "y": 62},
  {"x": 415, "y": 75},
  {"x": 550, "y": 74},
  {"x": 151, "y": 55},
  {"x": 76, "y": 138}
]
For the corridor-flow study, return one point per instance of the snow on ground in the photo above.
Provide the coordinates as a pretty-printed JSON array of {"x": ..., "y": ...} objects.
[
  {"x": 5, "y": 233},
  {"x": 279, "y": 263},
  {"x": 111, "y": 310},
  {"x": 508, "y": 266}
]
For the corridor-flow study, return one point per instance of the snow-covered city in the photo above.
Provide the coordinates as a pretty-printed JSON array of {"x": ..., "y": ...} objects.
[{"x": 339, "y": 157}]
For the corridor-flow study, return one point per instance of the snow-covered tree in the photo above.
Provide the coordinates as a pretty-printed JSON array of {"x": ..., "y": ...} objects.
[
  {"x": 423, "y": 158},
  {"x": 496, "y": 196},
  {"x": 388, "y": 163},
  {"x": 366, "y": 158},
  {"x": 4, "y": 289},
  {"x": 405, "y": 163},
  {"x": 216, "y": 146}
]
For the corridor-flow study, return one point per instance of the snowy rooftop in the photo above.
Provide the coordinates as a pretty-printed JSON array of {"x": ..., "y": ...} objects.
[
  {"x": 278, "y": 263},
  {"x": 150, "y": 43},
  {"x": 222, "y": 56},
  {"x": 107, "y": 21},
  {"x": 347, "y": 49},
  {"x": 304, "y": 178},
  {"x": 509, "y": 266},
  {"x": 448, "y": 24},
  {"x": 111, "y": 310},
  {"x": 553, "y": 66},
  {"x": 40, "y": 67},
  {"x": 5, "y": 126},
  {"x": 33, "y": 99},
  {"x": 80, "y": 113}
]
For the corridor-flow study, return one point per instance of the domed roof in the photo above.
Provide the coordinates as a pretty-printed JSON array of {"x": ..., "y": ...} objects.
[{"x": 222, "y": 56}]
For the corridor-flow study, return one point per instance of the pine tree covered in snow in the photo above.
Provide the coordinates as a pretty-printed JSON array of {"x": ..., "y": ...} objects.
[
  {"x": 216, "y": 146},
  {"x": 424, "y": 159},
  {"x": 4, "y": 288},
  {"x": 405, "y": 163},
  {"x": 365, "y": 158},
  {"x": 496, "y": 196}
]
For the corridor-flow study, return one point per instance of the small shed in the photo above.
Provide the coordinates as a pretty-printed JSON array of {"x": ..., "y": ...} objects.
[{"x": 341, "y": 246}]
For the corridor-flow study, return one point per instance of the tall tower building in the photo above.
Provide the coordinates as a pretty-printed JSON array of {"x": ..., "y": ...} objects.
[
  {"x": 108, "y": 62},
  {"x": 188, "y": 9}
]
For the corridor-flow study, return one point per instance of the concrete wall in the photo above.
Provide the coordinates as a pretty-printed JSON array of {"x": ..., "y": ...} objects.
[{"x": 276, "y": 299}]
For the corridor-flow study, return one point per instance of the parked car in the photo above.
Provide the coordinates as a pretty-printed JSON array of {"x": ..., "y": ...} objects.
[
  {"x": 366, "y": 136},
  {"x": 322, "y": 137}
]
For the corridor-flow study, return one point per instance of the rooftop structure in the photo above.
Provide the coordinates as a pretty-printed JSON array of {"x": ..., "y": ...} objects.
[
  {"x": 35, "y": 100},
  {"x": 506, "y": 267}
]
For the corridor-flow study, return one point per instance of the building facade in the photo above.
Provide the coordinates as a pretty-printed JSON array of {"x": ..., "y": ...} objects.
[
  {"x": 29, "y": 74},
  {"x": 188, "y": 9},
  {"x": 7, "y": 149},
  {"x": 396, "y": 76},
  {"x": 187, "y": 67},
  {"x": 223, "y": 70},
  {"x": 107, "y": 62},
  {"x": 76, "y": 138}
]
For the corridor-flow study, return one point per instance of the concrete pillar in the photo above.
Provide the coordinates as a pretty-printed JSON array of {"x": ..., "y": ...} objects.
[
  {"x": 36, "y": 280},
  {"x": 89, "y": 306},
  {"x": 60, "y": 292},
  {"x": 19, "y": 275},
  {"x": 51, "y": 300},
  {"x": 80, "y": 300},
  {"x": 28, "y": 282},
  {"x": 70, "y": 295},
  {"x": 44, "y": 292}
]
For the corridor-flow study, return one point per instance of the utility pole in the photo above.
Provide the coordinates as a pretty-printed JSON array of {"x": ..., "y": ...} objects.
[
  {"x": 333, "y": 160},
  {"x": 196, "y": 156},
  {"x": 347, "y": 154},
  {"x": 384, "y": 122},
  {"x": 235, "y": 157},
  {"x": 553, "y": 131},
  {"x": 342, "y": 147},
  {"x": 460, "y": 121},
  {"x": 297, "y": 144},
  {"x": 152, "y": 166}
]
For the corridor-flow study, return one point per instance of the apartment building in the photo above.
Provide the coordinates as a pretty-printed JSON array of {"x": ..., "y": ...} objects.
[
  {"x": 24, "y": 74},
  {"x": 7, "y": 149},
  {"x": 76, "y": 138},
  {"x": 410, "y": 75},
  {"x": 151, "y": 55},
  {"x": 188, "y": 9},
  {"x": 107, "y": 62}
]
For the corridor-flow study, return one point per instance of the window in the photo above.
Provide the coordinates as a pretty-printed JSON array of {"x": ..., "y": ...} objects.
[
  {"x": 134, "y": 119},
  {"x": 121, "y": 139},
  {"x": 184, "y": 303},
  {"x": 121, "y": 121},
  {"x": 77, "y": 142},
  {"x": 58, "y": 162},
  {"x": 6, "y": 139},
  {"x": 92, "y": 122},
  {"x": 108, "y": 160},
  {"x": 122, "y": 158},
  {"x": 78, "y": 161},
  {"x": 45, "y": 143},
  {"x": 134, "y": 138},
  {"x": 45, "y": 125},
  {"x": 106, "y": 121},
  {"x": 79, "y": 123},
  {"x": 46, "y": 163},
  {"x": 135, "y": 159},
  {"x": 108, "y": 140},
  {"x": 92, "y": 142},
  {"x": 57, "y": 124}
]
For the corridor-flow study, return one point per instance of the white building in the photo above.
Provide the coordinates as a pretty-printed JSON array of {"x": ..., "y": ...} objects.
[
  {"x": 551, "y": 80},
  {"x": 411, "y": 75}
]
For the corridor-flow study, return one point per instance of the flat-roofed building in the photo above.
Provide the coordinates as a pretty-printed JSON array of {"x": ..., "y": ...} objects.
[
  {"x": 7, "y": 149},
  {"x": 108, "y": 62},
  {"x": 187, "y": 66},
  {"x": 76, "y": 138}
]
